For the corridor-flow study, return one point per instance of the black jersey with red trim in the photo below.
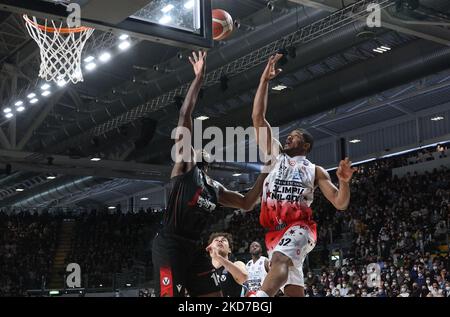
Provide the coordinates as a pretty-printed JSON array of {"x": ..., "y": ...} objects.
[{"x": 192, "y": 201}]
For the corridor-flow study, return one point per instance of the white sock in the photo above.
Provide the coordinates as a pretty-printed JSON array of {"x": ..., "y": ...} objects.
[{"x": 261, "y": 294}]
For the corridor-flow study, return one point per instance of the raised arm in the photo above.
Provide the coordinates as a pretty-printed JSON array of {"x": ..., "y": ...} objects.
[
  {"x": 263, "y": 130},
  {"x": 339, "y": 197},
  {"x": 245, "y": 202},
  {"x": 185, "y": 160}
]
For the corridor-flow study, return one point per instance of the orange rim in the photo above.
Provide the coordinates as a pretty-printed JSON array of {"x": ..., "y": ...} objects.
[{"x": 53, "y": 30}]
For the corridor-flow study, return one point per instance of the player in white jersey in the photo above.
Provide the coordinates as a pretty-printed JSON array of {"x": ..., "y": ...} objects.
[
  {"x": 257, "y": 268},
  {"x": 287, "y": 195}
]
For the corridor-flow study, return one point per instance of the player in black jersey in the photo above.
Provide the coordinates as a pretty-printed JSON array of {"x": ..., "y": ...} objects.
[
  {"x": 180, "y": 261},
  {"x": 230, "y": 275}
]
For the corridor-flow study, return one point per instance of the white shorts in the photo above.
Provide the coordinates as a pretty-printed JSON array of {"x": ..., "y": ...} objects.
[{"x": 296, "y": 243}]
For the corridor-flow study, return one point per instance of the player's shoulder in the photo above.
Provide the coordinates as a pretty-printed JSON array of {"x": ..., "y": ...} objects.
[
  {"x": 319, "y": 167},
  {"x": 240, "y": 264}
]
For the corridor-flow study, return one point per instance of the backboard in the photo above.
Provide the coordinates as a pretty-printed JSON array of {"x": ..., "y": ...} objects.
[{"x": 181, "y": 23}]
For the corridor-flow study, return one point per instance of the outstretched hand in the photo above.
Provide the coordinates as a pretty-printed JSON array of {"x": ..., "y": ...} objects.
[
  {"x": 198, "y": 62},
  {"x": 270, "y": 72},
  {"x": 345, "y": 171}
]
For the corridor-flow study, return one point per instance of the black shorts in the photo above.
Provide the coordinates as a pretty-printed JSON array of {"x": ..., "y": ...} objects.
[{"x": 181, "y": 265}]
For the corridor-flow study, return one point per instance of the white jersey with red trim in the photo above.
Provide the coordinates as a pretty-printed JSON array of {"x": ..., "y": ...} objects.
[
  {"x": 288, "y": 193},
  {"x": 291, "y": 179},
  {"x": 256, "y": 273}
]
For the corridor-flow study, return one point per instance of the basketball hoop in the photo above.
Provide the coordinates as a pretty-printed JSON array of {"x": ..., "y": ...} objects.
[{"x": 60, "y": 49}]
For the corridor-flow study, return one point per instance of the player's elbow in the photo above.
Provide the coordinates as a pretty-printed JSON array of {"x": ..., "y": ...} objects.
[
  {"x": 242, "y": 278},
  {"x": 258, "y": 119},
  {"x": 247, "y": 205}
]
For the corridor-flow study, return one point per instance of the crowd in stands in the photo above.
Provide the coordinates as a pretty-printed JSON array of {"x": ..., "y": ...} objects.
[
  {"x": 396, "y": 222},
  {"x": 405, "y": 275},
  {"x": 107, "y": 243}
]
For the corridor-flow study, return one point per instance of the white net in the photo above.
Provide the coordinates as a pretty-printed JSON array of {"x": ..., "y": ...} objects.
[{"x": 60, "y": 49}]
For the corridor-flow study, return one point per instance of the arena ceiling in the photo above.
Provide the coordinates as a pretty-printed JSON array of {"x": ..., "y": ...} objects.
[{"x": 125, "y": 110}]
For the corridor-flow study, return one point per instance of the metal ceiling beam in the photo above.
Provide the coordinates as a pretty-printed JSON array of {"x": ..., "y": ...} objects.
[
  {"x": 402, "y": 109},
  {"x": 38, "y": 121},
  {"x": 413, "y": 61},
  {"x": 3, "y": 89},
  {"x": 75, "y": 98},
  {"x": 12, "y": 122},
  {"x": 24, "y": 76},
  {"x": 381, "y": 104},
  {"x": 328, "y": 5},
  {"x": 309, "y": 54},
  {"x": 254, "y": 3},
  {"x": 427, "y": 32},
  {"x": 81, "y": 171},
  {"x": 8, "y": 190},
  {"x": 327, "y": 131},
  {"x": 4, "y": 140},
  {"x": 4, "y": 45},
  {"x": 51, "y": 192},
  {"x": 98, "y": 190},
  {"x": 12, "y": 27},
  {"x": 60, "y": 164},
  {"x": 18, "y": 36},
  {"x": 127, "y": 152}
]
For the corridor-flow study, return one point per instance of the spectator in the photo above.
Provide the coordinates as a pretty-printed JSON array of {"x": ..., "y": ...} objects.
[
  {"x": 404, "y": 291},
  {"x": 441, "y": 148}
]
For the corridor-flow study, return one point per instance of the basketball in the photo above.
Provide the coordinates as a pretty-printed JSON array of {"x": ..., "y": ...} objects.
[{"x": 222, "y": 24}]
